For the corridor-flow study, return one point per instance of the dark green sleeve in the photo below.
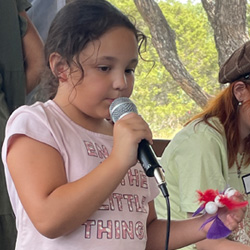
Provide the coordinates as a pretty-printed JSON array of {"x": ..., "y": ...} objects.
[{"x": 23, "y": 5}]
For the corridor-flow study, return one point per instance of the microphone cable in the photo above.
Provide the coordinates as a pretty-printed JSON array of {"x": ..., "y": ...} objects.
[{"x": 164, "y": 191}]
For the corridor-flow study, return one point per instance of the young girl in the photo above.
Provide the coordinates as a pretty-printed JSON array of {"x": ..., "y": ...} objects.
[{"x": 73, "y": 176}]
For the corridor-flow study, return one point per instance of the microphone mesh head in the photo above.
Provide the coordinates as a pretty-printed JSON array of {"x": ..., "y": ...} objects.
[{"x": 121, "y": 107}]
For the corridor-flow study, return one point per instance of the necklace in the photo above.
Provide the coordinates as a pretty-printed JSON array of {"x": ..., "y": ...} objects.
[{"x": 239, "y": 165}]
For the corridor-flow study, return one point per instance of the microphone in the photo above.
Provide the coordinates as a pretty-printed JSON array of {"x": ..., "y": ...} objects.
[{"x": 146, "y": 156}]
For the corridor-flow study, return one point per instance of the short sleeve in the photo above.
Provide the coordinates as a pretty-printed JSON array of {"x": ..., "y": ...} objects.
[
  {"x": 24, "y": 122},
  {"x": 195, "y": 161}
]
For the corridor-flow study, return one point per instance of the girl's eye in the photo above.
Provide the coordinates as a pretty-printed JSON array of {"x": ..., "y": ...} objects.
[
  {"x": 130, "y": 71},
  {"x": 104, "y": 68}
]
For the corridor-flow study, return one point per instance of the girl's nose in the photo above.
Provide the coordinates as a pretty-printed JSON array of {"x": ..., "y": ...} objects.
[{"x": 120, "y": 82}]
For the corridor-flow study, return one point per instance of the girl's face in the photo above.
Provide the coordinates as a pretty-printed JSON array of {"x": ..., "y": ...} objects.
[{"x": 108, "y": 64}]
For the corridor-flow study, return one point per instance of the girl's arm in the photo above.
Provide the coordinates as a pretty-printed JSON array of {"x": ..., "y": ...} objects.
[
  {"x": 55, "y": 206},
  {"x": 184, "y": 232},
  {"x": 220, "y": 244}
]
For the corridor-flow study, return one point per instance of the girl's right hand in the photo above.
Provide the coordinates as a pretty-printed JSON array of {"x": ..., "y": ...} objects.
[{"x": 128, "y": 133}]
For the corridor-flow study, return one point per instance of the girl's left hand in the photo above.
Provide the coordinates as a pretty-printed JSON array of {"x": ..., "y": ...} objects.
[{"x": 232, "y": 218}]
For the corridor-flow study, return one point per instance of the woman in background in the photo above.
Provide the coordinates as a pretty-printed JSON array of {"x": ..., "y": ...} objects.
[{"x": 213, "y": 151}]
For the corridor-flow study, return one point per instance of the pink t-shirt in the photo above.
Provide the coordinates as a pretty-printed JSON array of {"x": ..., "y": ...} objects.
[{"x": 120, "y": 223}]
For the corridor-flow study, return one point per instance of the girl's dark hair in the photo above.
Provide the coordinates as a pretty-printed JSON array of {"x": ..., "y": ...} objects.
[
  {"x": 225, "y": 107},
  {"x": 75, "y": 25}
]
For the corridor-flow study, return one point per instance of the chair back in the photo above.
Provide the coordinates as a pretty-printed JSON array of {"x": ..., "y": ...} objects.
[{"x": 159, "y": 146}]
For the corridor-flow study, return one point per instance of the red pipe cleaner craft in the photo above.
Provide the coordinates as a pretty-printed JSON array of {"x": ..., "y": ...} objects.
[{"x": 211, "y": 200}]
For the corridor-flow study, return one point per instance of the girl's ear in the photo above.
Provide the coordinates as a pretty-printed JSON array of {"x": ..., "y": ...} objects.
[
  {"x": 59, "y": 67},
  {"x": 239, "y": 90}
]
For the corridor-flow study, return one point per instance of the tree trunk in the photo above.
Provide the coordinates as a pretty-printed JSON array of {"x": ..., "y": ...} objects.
[
  {"x": 228, "y": 20},
  {"x": 163, "y": 39}
]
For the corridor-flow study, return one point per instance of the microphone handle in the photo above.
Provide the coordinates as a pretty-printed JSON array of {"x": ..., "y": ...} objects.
[{"x": 147, "y": 158}]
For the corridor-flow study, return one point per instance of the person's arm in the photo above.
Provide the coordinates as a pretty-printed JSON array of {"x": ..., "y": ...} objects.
[
  {"x": 220, "y": 244},
  {"x": 33, "y": 54},
  {"x": 55, "y": 206},
  {"x": 180, "y": 233},
  {"x": 185, "y": 232}
]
